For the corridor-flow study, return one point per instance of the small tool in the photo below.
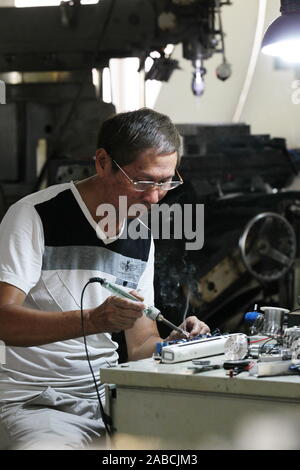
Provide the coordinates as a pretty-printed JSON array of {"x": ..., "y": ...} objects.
[
  {"x": 203, "y": 366},
  {"x": 151, "y": 312}
]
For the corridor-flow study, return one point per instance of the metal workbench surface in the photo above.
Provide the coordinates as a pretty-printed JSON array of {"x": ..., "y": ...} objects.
[
  {"x": 168, "y": 406},
  {"x": 148, "y": 373}
]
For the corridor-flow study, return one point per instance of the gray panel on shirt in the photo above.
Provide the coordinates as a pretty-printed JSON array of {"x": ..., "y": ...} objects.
[{"x": 93, "y": 258}]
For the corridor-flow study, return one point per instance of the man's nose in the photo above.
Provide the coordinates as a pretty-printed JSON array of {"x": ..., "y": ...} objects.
[{"x": 153, "y": 195}]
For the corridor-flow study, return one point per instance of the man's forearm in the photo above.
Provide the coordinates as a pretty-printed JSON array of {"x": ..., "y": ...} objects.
[
  {"x": 21, "y": 326},
  {"x": 145, "y": 350}
]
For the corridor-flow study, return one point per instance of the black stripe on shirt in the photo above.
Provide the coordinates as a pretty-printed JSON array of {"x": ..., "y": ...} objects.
[{"x": 65, "y": 224}]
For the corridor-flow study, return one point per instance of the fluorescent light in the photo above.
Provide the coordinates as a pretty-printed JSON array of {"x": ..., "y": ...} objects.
[
  {"x": 127, "y": 84},
  {"x": 46, "y": 3},
  {"x": 35, "y": 3},
  {"x": 152, "y": 90},
  {"x": 106, "y": 85}
]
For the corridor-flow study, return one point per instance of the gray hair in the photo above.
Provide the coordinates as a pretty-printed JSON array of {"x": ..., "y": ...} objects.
[{"x": 125, "y": 135}]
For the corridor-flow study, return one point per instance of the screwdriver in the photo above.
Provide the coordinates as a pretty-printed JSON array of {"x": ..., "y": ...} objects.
[{"x": 151, "y": 312}]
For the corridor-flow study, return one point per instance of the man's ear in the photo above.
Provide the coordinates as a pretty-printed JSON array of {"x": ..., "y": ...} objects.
[{"x": 103, "y": 162}]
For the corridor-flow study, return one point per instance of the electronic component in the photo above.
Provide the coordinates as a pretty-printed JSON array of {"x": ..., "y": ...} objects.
[{"x": 186, "y": 350}]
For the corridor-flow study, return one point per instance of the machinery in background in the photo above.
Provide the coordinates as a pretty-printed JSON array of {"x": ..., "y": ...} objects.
[
  {"x": 79, "y": 37},
  {"x": 251, "y": 228},
  {"x": 227, "y": 160},
  {"x": 48, "y": 133},
  {"x": 53, "y": 110},
  {"x": 273, "y": 350}
]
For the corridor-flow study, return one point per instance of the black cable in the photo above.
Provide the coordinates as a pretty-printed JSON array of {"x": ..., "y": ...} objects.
[
  {"x": 61, "y": 129},
  {"x": 106, "y": 418},
  {"x": 260, "y": 351},
  {"x": 273, "y": 347}
]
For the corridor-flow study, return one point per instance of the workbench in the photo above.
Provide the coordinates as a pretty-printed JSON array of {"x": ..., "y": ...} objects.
[{"x": 168, "y": 406}]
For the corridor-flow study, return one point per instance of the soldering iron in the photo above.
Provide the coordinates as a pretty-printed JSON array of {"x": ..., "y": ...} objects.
[{"x": 151, "y": 312}]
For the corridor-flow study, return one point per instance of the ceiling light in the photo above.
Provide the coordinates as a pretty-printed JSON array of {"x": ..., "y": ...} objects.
[{"x": 282, "y": 38}]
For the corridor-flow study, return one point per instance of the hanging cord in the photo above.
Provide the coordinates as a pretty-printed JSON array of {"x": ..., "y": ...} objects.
[
  {"x": 106, "y": 419},
  {"x": 253, "y": 60}
]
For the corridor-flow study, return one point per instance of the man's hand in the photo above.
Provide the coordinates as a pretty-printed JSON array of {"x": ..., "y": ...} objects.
[
  {"x": 193, "y": 326},
  {"x": 115, "y": 314}
]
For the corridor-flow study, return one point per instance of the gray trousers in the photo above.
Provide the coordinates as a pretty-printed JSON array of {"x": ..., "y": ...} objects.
[{"x": 53, "y": 421}]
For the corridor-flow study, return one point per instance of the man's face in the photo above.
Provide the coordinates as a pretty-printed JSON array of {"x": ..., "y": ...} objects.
[{"x": 147, "y": 167}]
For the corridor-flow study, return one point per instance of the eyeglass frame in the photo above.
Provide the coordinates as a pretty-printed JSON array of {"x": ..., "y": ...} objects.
[{"x": 152, "y": 184}]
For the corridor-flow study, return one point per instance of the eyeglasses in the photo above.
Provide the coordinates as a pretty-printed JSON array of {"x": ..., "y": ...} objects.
[{"x": 146, "y": 185}]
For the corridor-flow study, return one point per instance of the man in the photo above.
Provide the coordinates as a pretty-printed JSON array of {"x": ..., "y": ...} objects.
[{"x": 51, "y": 243}]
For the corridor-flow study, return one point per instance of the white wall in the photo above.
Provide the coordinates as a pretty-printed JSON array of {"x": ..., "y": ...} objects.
[{"x": 269, "y": 108}]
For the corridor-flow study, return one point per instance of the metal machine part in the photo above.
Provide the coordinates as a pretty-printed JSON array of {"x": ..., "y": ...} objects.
[
  {"x": 260, "y": 347},
  {"x": 220, "y": 277},
  {"x": 64, "y": 43},
  {"x": 37, "y": 127},
  {"x": 274, "y": 319},
  {"x": 280, "y": 344},
  {"x": 86, "y": 36},
  {"x": 227, "y": 160},
  {"x": 290, "y": 335},
  {"x": 291, "y": 340},
  {"x": 255, "y": 320},
  {"x": 268, "y": 246},
  {"x": 295, "y": 351}
]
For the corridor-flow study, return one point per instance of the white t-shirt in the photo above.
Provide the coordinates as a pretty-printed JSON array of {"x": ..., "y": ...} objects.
[{"x": 49, "y": 248}]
